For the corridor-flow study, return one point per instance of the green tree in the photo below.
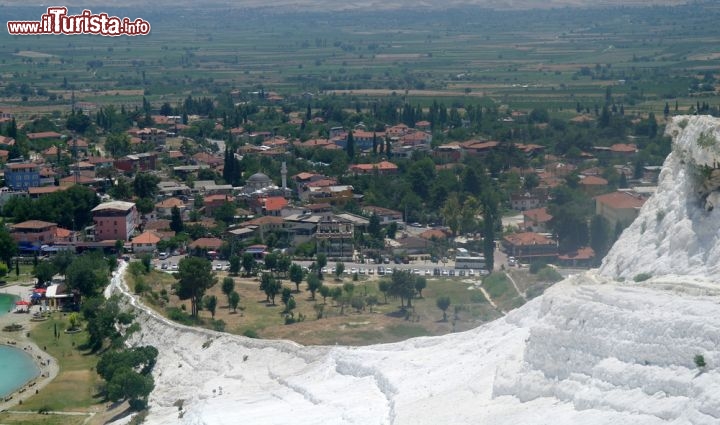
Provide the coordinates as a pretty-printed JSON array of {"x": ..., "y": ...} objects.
[
  {"x": 234, "y": 300},
  {"x": 210, "y": 303},
  {"x": 117, "y": 144},
  {"x": 350, "y": 146},
  {"x": 339, "y": 269},
  {"x": 599, "y": 236},
  {"x": 391, "y": 230},
  {"x": 62, "y": 260},
  {"x": 320, "y": 263},
  {"x": 420, "y": 284},
  {"x": 324, "y": 292},
  {"x": 234, "y": 265},
  {"x": 402, "y": 284},
  {"x": 8, "y": 246},
  {"x": 248, "y": 262},
  {"x": 145, "y": 206},
  {"x": 176, "y": 223},
  {"x": 270, "y": 286},
  {"x": 443, "y": 303},
  {"x": 374, "y": 228},
  {"x": 44, "y": 272},
  {"x": 384, "y": 287},
  {"x": 145, "y": 185},
  {"x": 285, "y": 297},
  {"x": 228, "y": 287},
  {"x": 87, "y": 274},
  {"x": 296, "y": 275},
  {"x": 452, "y": 213},
  {"x": 313, "y": 284},
  {"x": 194, "y": 276}
]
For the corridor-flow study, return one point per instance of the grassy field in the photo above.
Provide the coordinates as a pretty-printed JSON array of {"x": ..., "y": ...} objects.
[
  {"x": 73, "y": 390},
  {"x": 76, "y": 386},
  {"x": 385, "y": 323}
]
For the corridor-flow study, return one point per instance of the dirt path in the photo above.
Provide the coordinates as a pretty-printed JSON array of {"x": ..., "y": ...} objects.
[
  {"x": 522, "y": 294},
  {"x": 492, "y": 303}
]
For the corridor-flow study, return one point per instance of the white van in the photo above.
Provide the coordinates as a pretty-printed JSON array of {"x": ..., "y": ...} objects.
[{"x": 163, "y": 256}]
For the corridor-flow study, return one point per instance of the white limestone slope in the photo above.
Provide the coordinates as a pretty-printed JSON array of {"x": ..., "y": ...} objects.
[
  {"x": 592, "y": 350},
  {"x": 674, "y": 233}
]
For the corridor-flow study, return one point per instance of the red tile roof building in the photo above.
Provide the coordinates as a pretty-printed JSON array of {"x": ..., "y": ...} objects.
[
  {"x": 529, "y": 246},
  {"x": 619, "y": 207}
]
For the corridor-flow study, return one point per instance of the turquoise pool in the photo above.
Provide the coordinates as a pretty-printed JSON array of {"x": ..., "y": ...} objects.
[{"x": 18, "y": 368}]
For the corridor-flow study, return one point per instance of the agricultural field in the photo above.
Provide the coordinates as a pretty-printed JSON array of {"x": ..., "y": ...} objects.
[{"x": 556, "y": 59}]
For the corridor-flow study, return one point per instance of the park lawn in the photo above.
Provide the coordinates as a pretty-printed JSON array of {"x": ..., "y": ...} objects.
[
  {"x": 387, "y": 322},
  {"x": 76, "y": 386},
  {"x": 502, "y": 291},
  {"x": 39, "y": 419}
]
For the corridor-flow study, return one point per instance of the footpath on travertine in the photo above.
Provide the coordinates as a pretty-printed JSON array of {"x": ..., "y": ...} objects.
[{"x": 46, "y": 363}]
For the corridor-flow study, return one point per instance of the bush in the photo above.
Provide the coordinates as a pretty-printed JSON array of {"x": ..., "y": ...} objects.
[
  {"x": 140, "y": 286},
  {"x": 179, "y": 316},
  {"x": 642, "y": 277},
  {"x": 549, "y": 274},
  {"x": 536, "y": 266},
  {"x": 699, "y": 361},
  {"x": 218, "y": 325},
  {"x": 250, "y": 333}
]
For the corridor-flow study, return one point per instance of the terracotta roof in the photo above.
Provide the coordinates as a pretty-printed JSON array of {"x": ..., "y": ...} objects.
[
  {"x": 318, "y": 207},
  {"x": 146, "y": 237},
  {"x": 61, "y": 233},
  {"x": 529, "y": 238},
  {"x": 322, "y": 183},
  {"x": 33, "y": 224},
  {"x": 169, "y": 203},
  {"x": 44, "y": 135},
  {"x": 21, "y": 165},
  {"x": 275, "y": 203},
  {"x": 621, "y": 200},
  {"x": 158, "y": 225},
  {"x": 99, "y": 160},
  {"x": 584, "y": 253},
  {"x": 211, "y": 243},
  {"x": 593, "y": 181},
  {"x": 45, "y": 189},
  {"x": 381, "y": 166},
  {"x": 305, "y": 176},
  {"x": 538, "y": 215},
  {"x": 433, "y": 233},
  {"x": 623, "y": 148},
  {"x": 7, "y": 141},
  {"x": 260, "y": 221},
  {"x": 217, "y": 198},
  {"x": 78, "y": 179}
]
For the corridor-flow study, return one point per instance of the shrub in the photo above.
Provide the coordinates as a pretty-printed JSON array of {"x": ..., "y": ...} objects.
[
  {"x": 178, "y": 315},
  {"x": 219, "y": 325},
  {"x": 251, "y": 333},
  {"x": 642, "y": 277},
  {"x": 549, "y": 274},
  {"x": 536, "y": 266},
  {"x": 699, "y": 361}
]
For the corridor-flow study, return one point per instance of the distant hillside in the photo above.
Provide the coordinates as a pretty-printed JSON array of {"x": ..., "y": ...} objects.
[{"x": 369, "y": 5}]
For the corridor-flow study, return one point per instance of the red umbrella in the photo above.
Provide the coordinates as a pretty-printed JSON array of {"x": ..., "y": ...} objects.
[
  {"x": 22, "y": 302},
  {"x": 40, "y": 290}
]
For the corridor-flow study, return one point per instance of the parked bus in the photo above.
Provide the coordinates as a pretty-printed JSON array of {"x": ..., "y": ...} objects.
[{"x": 470, "y": 262}]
